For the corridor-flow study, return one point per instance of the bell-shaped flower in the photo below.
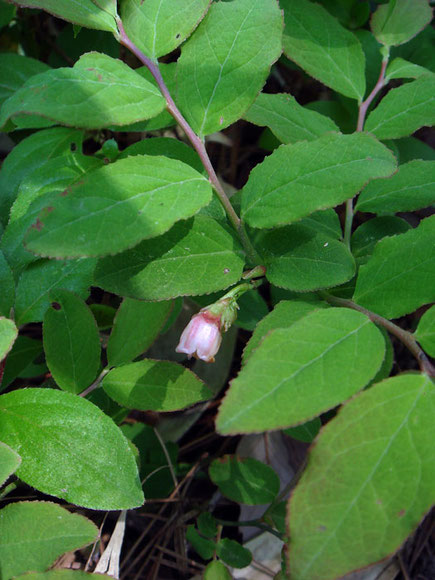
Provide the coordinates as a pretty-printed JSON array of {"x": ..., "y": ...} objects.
[{"x": 202, "y": 336}]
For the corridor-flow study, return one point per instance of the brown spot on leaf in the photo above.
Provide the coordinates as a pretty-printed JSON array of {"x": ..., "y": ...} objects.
[
  {"x": 38, "y": 225},
  {"x": 401, "y": 513},
  {"x": 56, "y": 306}
]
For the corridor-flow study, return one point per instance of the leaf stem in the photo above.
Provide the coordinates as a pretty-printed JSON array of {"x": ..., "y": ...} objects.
[
  {"x": 404, "y": 336},
  {"x": 362, "y": 112},
  {"x": 197, "y": 143},
  {"x": 251, "y": 523}
]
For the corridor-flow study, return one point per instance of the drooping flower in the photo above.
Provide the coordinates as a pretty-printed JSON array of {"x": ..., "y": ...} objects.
[{"x": 202, "y": 336}]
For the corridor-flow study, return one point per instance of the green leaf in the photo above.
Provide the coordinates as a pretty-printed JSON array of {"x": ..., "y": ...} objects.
[
  {"x": 117, "y": 206},
  {"x": 15, "y": 69},
  {"x": 97, "y": 92},
  {"x": 402, "y": 69},
  {"x": 71, "y": 342},
  {"x": 299, "y": 259},
  {"x": 252, "y": 308},
  {"x": 70, "y": 449},
  {"x": 404, "y": 110},
  {"x": 288, "y": 120},
  {"x": 305, "y": 432},
  {"x": 244, "y": 479},
  {"x": 8, "y": 334},
  {"x": 157, "y": 27},
  {"x": 34, "y": 534},
  {"x": 298, "y": 179},
  {"x": 104, "y": 315},
  {"x": 215, "y": 570},
  {"x": 398, "y": 277},
  {"x": 137, "y": 325},
  {"x": 411, "y": 148},
  {"x": 9, "y": 463},
  {"x": 29, "y": 154},
  {"x": 203, "y": 546},
  {"x": 207, "y": 525},
  {"x": 298, "y": 372},
  {"x": 7, "y": 13},
  {"x": 44, "y": 276},
  {"x": 23, "y": 353},
  {"x": 318, "y": 43},
  {"x": 425, "y": 333},
  {"x": 377, "y": 444},
  {"x": 224, "y": 65},
  {"x": 82, "y": 12},
  {"x": 233, "y": 553},
  {"x": 195, "y": 257},
  {"x": 368, "y": 234},
  {"x": 400, "y": 20},
  {"x": 282, "y": 316},
  {"x": 412, "y": 187},
  {"x": 7, "y": 286},
  {"x": 64, "y": 574},
  {"x": 152, "y": 385}
]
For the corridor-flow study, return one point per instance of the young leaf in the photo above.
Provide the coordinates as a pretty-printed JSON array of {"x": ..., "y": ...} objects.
[
  {"x": 42, "y": 277},
  {"x": 15, "y": 69},
  {"x": 23, "y": 353},
  {"x": 71, "y": 342},
  {"x": 402, "y": 69},
  {"x": 29, "y": 154},
  {"x": 9, "y": 463},
  {"x": 404, "y": 110},
  {"x": 216, "y": 570},
  {"x": 298, "y": 179},
  {"x": 299, "y": 258},
  {"x": 375, "y": 446},
  {"x": 399, "y": 20},
  {"x": 318, "y": 43},
  {"x": 8, "y": 334},
  {"x": 425, "y": 333},
  {"x": 136, "y": 326},
  {"x": 152, "y": 385},
  {"x": 203, "y": 546},
  {"x": 34, "y": 534},
  {"x": 97, "y": 92},
  {"x": 224, "y": 65},
  {"x": 298, "y": 372},
  {"x": 412, "y": 187},
  {"x": 157, "y": 27},
  {"x": 398, "y": 277},
  {"x": 288, "y": 121},
  {"x": 195, "y": 257},
  {"x": 7, "y": 286},
  {"x": 82, "y": 12},
  {"x": 70, "y": 449},
  {"x": 244, "y": 479},
  {"x": 233, "y": 553},
  {"x": 132, "y": 199},
  {"x": 282, "y": 316}
]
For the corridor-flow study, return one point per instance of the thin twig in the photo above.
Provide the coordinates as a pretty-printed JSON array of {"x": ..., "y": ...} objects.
[
  {"x": 168, "y": 458},
  {"x": 404, "y": 336},
  {"x": 250, "y": 524},
  {"x": 95, "y": 384},
  {"x": 197, "y": 143}
]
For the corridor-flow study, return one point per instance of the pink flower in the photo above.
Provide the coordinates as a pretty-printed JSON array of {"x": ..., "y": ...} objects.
[{"x": 201, "y": 337}]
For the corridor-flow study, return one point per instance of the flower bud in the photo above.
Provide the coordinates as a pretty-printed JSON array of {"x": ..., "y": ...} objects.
[{"x": 202, "y": 336}]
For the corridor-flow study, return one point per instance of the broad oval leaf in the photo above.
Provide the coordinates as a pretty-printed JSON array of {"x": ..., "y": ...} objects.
[
  {"x": 361, "y": 481},
  {"x": 216, "y": 570},
  {"x": 157, "y": 27},
  {"x": 288, "y": 121},
  {"x": 9, "y": 463},
  {"x": 117, "y": 206},
  {"x": 224, "y": 65},
  {"x": 425, "y": 332},
  {"x": 397, "y": 22},
  {"x": 96, "y": 92},
  {"x": 244, "y": 479},
  {"x": 8, "y": 334},
  {"x": 299, "y": 258},
  {"x": 233, "y": 553},
  {"x": 43, "y": 276},
  {"x": 82, "y": 12},
  {"x": 369, "y": 233},
  {"x": 298, "y": 179},
  {"x": 70, "y": 449},
  {"x": 15, "y": 69},
  {"x": 34, "y": 534},
  {"x": 318, "y": 43},
  {"x": 136, "y": 326},
  {"x": 152, "y": 385},
  {"x": 412, "y": 187},
  {"x": 299, "y": 372},
  {"x": 195, "y": 257},
  {"x": 402, "y": 69},
  {"x": 71, "y": 342},
  {"x": 398, "y": 278},
  {"x": 404, "y": 110}
]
